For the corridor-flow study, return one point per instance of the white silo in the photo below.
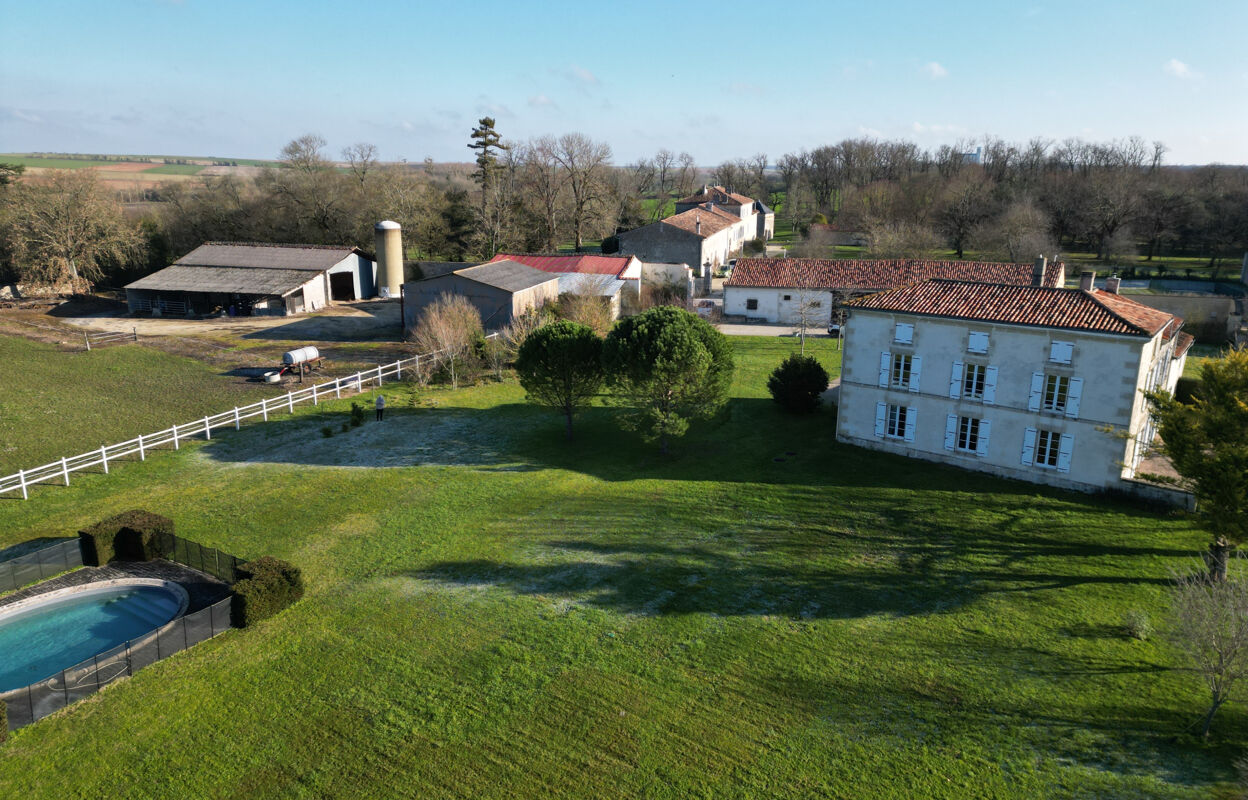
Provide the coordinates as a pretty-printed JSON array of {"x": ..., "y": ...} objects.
[{"x": 388, "y": 240}]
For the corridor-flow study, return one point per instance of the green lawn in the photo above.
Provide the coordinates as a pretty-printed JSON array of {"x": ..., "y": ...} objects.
[
  {"x": 765, "y": 613},
  {"x": 57, "y": 403}
]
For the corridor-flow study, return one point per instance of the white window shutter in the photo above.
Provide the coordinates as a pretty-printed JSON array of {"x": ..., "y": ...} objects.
[
  {"x": 1037, "y": 389},
  {"x": 1063, "y": 453},
  {"x": 1029, "y": 447},
  {"x": 990, "y": 385},
  {"x": 981, "y": 447},
  {"x": 951, "y": 431},
  {"x": 916, "y": 369},
  {"x": 886, "y": 364},
  {"x": 1061, "y": 352},
  {"x": 1072, "y": 397},
  {"x": 977, "y": 342},
  {"x": 904, "y": 333},
  {"x": 955, "y": 381},
  {"x": 910, "y": 415},
  {"x": 881, "y": 417}
]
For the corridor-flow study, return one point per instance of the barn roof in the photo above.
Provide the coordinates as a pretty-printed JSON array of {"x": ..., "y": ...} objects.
[
  {"x": 818, "y": 273},
  {"x": 253, "y": 255},
  {"x": 229, "y": 280},
  {"x": 588, "y": 263},
  {"x": 510, "y": 276},
  {"x": 587, "y": 283}
]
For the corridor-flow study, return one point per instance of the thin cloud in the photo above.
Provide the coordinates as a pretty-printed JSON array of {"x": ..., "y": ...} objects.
[
  {"x": 1179, "y": 70},
  {"x": 584, "y": 76},
  {"x": 934, "y": 70},
  {"x": 541, "y": 101}
]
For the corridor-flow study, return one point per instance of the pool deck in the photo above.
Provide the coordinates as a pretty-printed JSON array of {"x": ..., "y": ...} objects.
[{"x": 203, "y": 590}]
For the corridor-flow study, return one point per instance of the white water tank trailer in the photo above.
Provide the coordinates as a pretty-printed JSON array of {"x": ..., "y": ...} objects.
[{"x": 301, "y": 356}]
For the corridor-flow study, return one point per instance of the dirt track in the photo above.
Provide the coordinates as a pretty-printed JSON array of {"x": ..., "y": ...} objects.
[{"x": 368, "y": 320}]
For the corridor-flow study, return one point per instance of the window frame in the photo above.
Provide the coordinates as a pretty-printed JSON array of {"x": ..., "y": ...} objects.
[
  {"x": 1056, "y": 396},
  {"x": 897, "y": 378},
  {"x": 895, "y": 422},
  {"x": 751, "y": 304},
  {"x": 969, "y": 383},
  {"x": 1048, "y": 442},
  {"x": 967, "y": 436}
]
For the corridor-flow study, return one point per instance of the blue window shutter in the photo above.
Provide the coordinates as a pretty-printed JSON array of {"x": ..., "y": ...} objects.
[
  {"x": 1064, "y": 451},
  {"x": 1072, "y": 397},
  {"x": 990, "y": 385},
  {"x": 951, "y": 431},
  {"x": 1029, "y": 447},
  {"x": 881, "y": 417},
  {"x": 981, "y": 447},
  {"x": 886, "y": 364},
  {"x": 910, "y": 415},
  {"x": 955, "y": 381},
  {"x": 916, "y": 370},
  {"x": 1037, "y": 390}
]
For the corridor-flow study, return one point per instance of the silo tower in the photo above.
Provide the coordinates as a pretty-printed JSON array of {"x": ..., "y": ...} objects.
[{"x": 388, "y": 240}]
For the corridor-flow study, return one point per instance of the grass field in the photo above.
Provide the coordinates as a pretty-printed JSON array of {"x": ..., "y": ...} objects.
[
  {"x": 766, "y": 613},
  {"x": 55, "y": 403},
  {"x": 175, "y": 169}
]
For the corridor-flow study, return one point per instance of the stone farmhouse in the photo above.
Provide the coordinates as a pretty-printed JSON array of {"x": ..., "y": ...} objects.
[
  {"x": 754, "y": 212},
  {"x": 1036, "y": 383},
  {"x": 256, "y": 279},
  {"x": 708, "y": 228},
  {"x": 777, "y": 289}
]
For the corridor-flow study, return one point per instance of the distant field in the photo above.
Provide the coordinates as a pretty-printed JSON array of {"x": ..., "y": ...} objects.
[
  {"x": 54, "y": 163},
  {"x": 176, "y": 169}
]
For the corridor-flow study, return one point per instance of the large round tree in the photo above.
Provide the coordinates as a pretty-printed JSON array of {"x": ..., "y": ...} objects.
[
  {"x": 560, "y": 365},
  {"x": 667, "y": 367}
]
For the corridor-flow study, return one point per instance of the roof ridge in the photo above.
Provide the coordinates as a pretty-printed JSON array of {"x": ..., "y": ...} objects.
[{"x": 282, "y": 244}]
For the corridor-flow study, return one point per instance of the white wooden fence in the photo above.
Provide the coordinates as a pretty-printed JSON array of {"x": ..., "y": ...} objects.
[
  {"x": 108, "y": 337},
  {"x": 58, "y": 471}
]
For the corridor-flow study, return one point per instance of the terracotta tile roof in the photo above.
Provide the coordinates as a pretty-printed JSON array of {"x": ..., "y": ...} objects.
[
  {"x": 1186, "y": 340},
  {"x": 818, "y": 273},
  {"x": 716, "y": 194},
  {"x": 1072, "y": 309},
  {"x": 585, "y": 263},
  {"x": 713, "y": 220}
]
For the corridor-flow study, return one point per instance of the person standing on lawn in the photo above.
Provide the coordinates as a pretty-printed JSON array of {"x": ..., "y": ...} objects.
[{"x": 381, "y": 406}]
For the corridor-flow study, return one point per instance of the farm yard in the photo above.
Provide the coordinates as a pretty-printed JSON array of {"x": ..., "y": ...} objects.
[{"x": 494, "y": 612}]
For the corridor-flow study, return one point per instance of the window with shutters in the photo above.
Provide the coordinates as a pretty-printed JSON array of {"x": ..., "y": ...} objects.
[
  {"x": 1048, "y": 447},
  {"x": 968, "y": 434},
  {"x": 977, "y": 342},
  {"x": 1056, "y": 392},
  {"x": 1061, "y": 352},
  {"x": 896, "y": 427},
  {"x": 751, "y": 304},
  {"x": 973, "y": 381},
  {"x": 902, "y": 364},
  {"x": 904, "y": 333}
]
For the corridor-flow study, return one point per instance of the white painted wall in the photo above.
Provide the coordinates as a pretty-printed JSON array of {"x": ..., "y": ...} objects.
[
  {"x": 1112, "y": 370},
  {"x": 773, "y": 305}
]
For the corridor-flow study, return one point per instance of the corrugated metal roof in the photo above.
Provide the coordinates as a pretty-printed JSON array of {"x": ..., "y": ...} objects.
[
  {"x": 510, "y": 276},
  {"x": 591, "y": 263},
  {"x": 314, "y": 258},
  {"x": 229, "y": 280},
  {"x": 1072, "y": 309}
]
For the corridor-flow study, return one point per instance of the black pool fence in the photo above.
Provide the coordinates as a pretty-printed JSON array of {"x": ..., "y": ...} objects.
[
  {"x": 39, "y": 564},
  {"x": 36, "y": 701}
]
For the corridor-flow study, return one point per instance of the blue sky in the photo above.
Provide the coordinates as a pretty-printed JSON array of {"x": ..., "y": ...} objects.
[{"x": 720, "y": 80}]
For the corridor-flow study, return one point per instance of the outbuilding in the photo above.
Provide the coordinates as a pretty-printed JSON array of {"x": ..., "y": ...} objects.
[
  {"x": 256, "y": 279},
  {"x": 500, "y": 291}
]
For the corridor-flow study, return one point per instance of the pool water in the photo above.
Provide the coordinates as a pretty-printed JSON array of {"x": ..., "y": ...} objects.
[{"x": 40, "y": 641}]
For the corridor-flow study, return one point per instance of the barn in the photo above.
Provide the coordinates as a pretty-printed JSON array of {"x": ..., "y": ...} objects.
[
  {"x": 256, "y": 279},
  {"x": 500, "y": 290}
]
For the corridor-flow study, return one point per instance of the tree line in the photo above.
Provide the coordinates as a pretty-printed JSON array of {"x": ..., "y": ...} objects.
[{"x": 1009, "y": 202}]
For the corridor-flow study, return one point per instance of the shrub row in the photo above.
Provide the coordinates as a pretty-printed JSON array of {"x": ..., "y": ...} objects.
[
  {"x": 4, "y": 721},
  {"x": 268, "y": 586},
  {"x": 129, "y": 536}
]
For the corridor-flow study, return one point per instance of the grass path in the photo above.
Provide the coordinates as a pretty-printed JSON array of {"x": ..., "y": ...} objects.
[{"x": 765, "y": 613}]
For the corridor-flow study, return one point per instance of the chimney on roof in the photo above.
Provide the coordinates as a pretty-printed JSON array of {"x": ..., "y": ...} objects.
[
  {"x": 697, "y": 223},
  {"x": 1112, "y": 283},
  {"x": 1037, "y": 271},
  {"x": 1087, "y": 280}
]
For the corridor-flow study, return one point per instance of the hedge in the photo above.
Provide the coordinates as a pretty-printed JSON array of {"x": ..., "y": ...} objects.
[
  {"x": 268, "y": 585},
  {"x": 4, "y": 721},
  {"x": 1187, "y": 389},
  {"x": 129, "y": 536}
]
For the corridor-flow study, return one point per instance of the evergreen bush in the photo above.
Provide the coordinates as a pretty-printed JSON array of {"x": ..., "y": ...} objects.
[
  {"x": 134, "y": 535},
  {"x": 268, "y": 585},
  {"x": 798, "y": 383}
]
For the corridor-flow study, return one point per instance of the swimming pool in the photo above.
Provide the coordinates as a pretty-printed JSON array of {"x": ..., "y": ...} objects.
[{"x": 43, "y": 635}]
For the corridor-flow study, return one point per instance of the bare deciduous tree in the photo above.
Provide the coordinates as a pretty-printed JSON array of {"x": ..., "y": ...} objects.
[
  {"x": 585, "y": 164},
  {"x": 362, "y": 158},
  {"x": 304, "y": 153},
  {"x": 588, "y": 303},
  {"x": 1210, "y": 624},
  {"x": 448, "y": 326}
]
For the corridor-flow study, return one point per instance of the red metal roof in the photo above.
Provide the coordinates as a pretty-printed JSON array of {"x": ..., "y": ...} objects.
[
  {"x": 820, "y": 273},
  {"x": 1073, "y": 309},
  {"x": 585, "y": 263}
]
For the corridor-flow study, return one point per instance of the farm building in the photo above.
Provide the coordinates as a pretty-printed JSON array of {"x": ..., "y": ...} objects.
[
  {"x": 500, "y": 291},
  {"x": 617, "y": 278},
  {"x": 255, "y": 279}
]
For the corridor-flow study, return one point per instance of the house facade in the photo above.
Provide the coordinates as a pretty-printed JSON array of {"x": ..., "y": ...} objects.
[
  {"x": 1034, "y": 383},
  {"x": 779, "y": 289},
  {"x": 705, "y": 235}
]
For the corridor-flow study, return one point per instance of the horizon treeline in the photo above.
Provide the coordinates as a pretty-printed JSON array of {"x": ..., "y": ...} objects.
[{"x": 998, "y": 200}]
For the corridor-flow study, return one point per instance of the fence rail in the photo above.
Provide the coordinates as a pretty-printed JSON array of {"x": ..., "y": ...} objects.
[
  {"x": 58, "y": 471},
  {"x": 109, "y": 337},
  {"x": 36, "y": 701},
  {"x": 35, "y": 566}
]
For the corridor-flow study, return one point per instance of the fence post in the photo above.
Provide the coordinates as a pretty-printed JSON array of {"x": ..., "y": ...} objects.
[
  {"x": 142, "y": 456},
  {"x": 87, "y": 337},
  {"x": 104, "y": 458},
  {"x": 359, "y": 381},
  {"x": 21, "y": 480},
  {"x": 290, "y": 400},
  {"x": 136, "y": 333},
  {"x": 207, "y": 429},
  {"x": 175, "y": 437},
  {"x": 398, "y": 370},
  {"x": 235, "y": 417},
  {"x": 65, "y": 470},
  {"x": 264, "y": 408},
  {"x": 378, "y": 376},
  {"x": 314, "y": 400}
]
